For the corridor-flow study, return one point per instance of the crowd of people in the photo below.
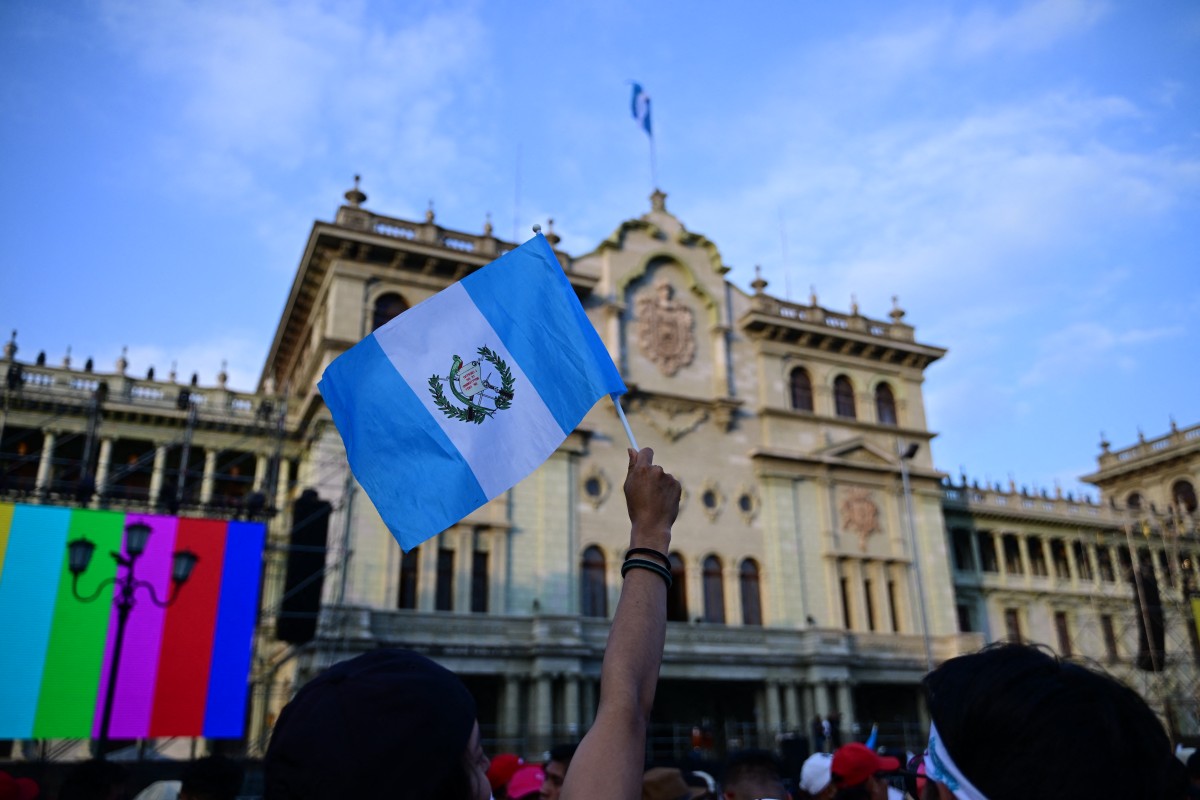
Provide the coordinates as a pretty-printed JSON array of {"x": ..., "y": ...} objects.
[{"x": 1007, "y": 722}]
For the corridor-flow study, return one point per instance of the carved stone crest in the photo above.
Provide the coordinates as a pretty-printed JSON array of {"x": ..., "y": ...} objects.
[
  {"x": 860, "y": 515},
  {"x": 665, "y": 329}
]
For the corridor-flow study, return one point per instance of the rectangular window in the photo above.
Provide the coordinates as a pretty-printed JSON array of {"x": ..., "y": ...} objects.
[
  {"x": 1104, "y": 564},
  {"x": 1012, "y": 555},
  {"x": 408, "y": 579},
  {"x": 479, "y": 582},
  {"x": 1012, "y": 625},
  {"x": 1110, "y": 637},
  {"x": 445, "y": 580},
  {"x": 845, "y": 604},
  {"x": 987, "y": 552},
  {"x": 870, "y": 604},
  {"x": 964, "y": 559},
  {"x": 1037, "y": 557},
  {"x": 1083, "y": 561},
  {"x": 1058, "y": 552},
  {"x": 1164, "y": 567},
  {"x": 1064, "y": 633},
  {"x": 964, "y": 618},
  {"x": 891, "y": 589}
]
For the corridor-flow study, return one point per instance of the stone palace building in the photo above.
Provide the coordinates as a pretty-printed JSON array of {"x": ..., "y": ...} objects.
[{"x": 822, "y": 562}]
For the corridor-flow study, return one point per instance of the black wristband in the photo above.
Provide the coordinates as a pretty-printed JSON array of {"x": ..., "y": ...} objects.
[
  {"x": 649, "y": 551},
  {"x": 642, "y": 563}
]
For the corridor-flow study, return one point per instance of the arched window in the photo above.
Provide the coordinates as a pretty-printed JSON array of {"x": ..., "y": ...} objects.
[
  {"x": 885, "y": 405},
  {"x": 1134, "y": 501},
  {"x": 714, "y": 591},
  {"x": 802, "y": 395},
  {"x": 387, "y": 307},
  {"x": 677, "y": 610},
  {"x": 751, "y": 596},
  {"x": 843, "y": 397},
  {"x": 593, "y": 600},
  {"x": 1184, "y": 495}
]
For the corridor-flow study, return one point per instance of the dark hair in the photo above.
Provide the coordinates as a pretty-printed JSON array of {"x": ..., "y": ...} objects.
[
  {"x": 212, "y": 778},
  {"x": 93, "y": 779},
  {"x": 1021, "y": 723},
  {"x": 752, "y": 769},
  {"x": 562, "y": 753}
]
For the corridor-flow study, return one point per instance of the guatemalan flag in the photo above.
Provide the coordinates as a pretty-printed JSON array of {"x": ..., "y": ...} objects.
[
  {"x": 641, "y": 108},
  {"x": 457, "y": 399}
]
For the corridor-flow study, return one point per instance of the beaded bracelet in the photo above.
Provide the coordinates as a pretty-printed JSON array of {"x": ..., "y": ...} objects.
[
  {"x": 649, "y": 551},
  {"x": 642, "y": 563}
]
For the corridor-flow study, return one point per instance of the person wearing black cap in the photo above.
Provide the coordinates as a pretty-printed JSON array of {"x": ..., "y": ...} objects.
[{"x": 391, "y": 723}]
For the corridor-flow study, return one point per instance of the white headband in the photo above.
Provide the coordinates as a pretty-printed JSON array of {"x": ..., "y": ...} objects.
[{"x": 941, "y": 768}]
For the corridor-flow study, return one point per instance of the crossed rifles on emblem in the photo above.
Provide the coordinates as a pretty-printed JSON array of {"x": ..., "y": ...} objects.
[{"x": 470, "y": 386}]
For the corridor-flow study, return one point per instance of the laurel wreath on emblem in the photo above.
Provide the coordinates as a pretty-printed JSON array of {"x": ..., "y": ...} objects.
[{"x": 501, "y": 396}]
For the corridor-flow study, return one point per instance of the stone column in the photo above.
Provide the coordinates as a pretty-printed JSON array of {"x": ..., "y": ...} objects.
[
  {"x": 103, "y": 465},
  {"x": 1001, "y": 561},
  {"x": 210, "y": 471},
  {"x": 281, "y": 485},
  {"x": 260, "y": 472},
  {"x": 571, "y": 706},
  {"x": 1023, "y": 551},
  {"x": 791, "y": 708},
  {"x": 45, "y": 466},
  {"x": 156, "y": 474},
  {"x": 845, "y": 702},
  {"x": 1072, "y": 564},
  {"x": 542, "y": 712},
  {"x": 427, "y": 575},
  {"x": 464, "y": 558},
  {"x": 510, "y": 713},
  {"x": 733, "y": 593},
  {"x": 773, "y": 712}
]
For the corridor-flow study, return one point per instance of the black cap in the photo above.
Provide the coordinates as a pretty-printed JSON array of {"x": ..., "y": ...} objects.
[{"x": 387, "y": 723}]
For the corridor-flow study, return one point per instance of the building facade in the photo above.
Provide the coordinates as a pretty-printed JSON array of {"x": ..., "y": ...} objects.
[{"x": 822, "y": 563}]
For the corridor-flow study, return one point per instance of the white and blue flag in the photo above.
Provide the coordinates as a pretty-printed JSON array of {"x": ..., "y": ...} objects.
[
  {"x": 641, "y": 108},
  {"x": 457, "y": 399}
]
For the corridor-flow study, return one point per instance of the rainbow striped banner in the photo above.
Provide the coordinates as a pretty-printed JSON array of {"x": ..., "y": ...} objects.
[{"x": 184, "y": 669}]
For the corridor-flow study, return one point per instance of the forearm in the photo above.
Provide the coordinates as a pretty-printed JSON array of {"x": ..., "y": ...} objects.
[{"x": 633, "y": 656}]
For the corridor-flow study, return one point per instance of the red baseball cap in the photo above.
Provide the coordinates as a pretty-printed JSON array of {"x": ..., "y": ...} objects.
[
  {"x": 853, "y": 763},
  {"x": 502, "y": 768},
  {"x": 526, "y": 781}
]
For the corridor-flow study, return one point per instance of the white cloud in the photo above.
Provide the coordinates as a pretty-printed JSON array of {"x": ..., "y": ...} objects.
[{"x": 1085, "y": 346}]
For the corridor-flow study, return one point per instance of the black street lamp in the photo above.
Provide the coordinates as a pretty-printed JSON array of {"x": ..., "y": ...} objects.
[{"x": 79, "y": 555}]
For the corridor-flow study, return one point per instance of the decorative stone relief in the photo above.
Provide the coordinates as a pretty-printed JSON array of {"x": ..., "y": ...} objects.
[
  {"x": 595, "y": 486},
  {"x": 665, "y": 328},
  {"x": 860, "y": 514}
]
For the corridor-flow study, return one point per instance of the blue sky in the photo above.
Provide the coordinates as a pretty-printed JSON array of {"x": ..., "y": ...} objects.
[{"x": 1024, "y": 175}]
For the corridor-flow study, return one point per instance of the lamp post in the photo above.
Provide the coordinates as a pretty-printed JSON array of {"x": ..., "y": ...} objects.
[
  {"x": 79, "y": 555},
  {"x": 906, "y": 455}
]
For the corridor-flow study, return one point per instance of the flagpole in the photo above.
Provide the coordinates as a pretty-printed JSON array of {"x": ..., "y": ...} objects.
[
  {"x": 653, "y": 167},
  {"x": 624, "y": 422}
]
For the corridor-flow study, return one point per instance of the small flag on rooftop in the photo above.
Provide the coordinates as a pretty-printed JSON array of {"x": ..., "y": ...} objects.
[
  {"x": 457, "y": 399},
  {"x": 641, "y": 108}
]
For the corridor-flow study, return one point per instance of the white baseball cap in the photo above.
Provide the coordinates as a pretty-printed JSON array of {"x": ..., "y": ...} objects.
[{"x": 815, "y": 775}]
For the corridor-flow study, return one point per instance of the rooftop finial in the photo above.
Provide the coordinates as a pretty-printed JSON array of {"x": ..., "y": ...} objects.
[
  {"x": 67, "y": 358},
  {"x": 853, "y": 304},
  {"x": 223, "y": 375},
  {"x": 552, "y": 237},
  {"x": 658, "y": 200},
  {"x": 812, "y": 296},
  {"x": 758, "y": 284},
  {"x": 172, "y": 375},
  {"x": 429, "y": 212},
  {"x": 897, "y": 313},
  {"x": 1104, "y": 442},
  {"x": 10, "y": 349},
  {"x": 123, "y": 361},
  {"x": 487, "y": 225},
  {"x": 355, "y": 197}
]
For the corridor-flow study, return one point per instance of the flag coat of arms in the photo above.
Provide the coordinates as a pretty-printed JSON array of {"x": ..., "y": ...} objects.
[{"x": 460, "y": 397}]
